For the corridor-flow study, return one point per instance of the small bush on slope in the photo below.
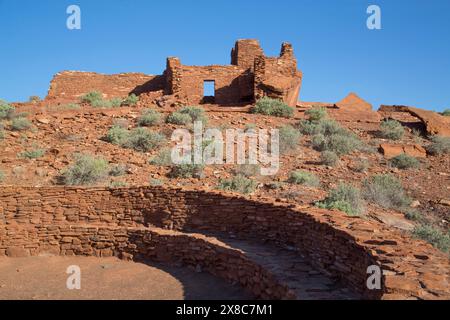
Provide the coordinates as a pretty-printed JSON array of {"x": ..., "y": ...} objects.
[
  {"x": 386, "y": 191},
  {"x": 346, "y": 198},
  {"x": 392, "y": 129},
  {"x": 434, "y": 236},
  {"x": 404, "y": 161},
  {"x": 238, "y": 183},
  {"x": 304, "y": 178},
  {"x": 272, "y": 107},
  {"x": 85, "y": 171},
  {"x": 439, "y": 145},
  {"x": 289, "y": 138}
]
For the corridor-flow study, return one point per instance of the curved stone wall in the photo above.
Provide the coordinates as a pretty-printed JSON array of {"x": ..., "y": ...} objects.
[{"x": 129, "y": 222}]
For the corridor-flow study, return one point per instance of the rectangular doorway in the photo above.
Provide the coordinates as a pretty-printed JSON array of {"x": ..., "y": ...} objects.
[{"x": 209, "y": 91}]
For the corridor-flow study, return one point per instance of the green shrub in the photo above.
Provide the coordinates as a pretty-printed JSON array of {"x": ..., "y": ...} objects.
[
  {"x": 178, "y": 118},
  {"x": 155, "y": 182},
  {"x": 439, "y": 145},
  {"x": 329, "y": 158},
  {"x": 70, "y": 106},
  {"x": 325, "y": 127},
  {"x": 20, "y": 124},
  {"x": 86, "y": 170},
  {"x": 6, "y": 110},
  {"x": 92, "y": 97},
  {"x": 404, "y": 161},
  {"x": 342, "y": 144},
  {"x": 117, "y": 135},
  {"x": 273, "y": 107},
  {"x": 140, "y": 139},
  {"x": 346, "y": 198},
  {"x": 118, "y": 170},
  {"x": 32, "y": 154},
  {"x": 304, "y": 178},
  {"x": 289, "y": 138},
  {"x": 316, "y": 114},
  {"x": 149, "y": 118},
  {"x": 2, "y": 133},
  {"x": 413, "y": 214},
  {"x": 248, "y": 170},
  {"x": 238, "y": 183},
  {"x": 186, "y": 170},
  {"x": 392, "y": 129},
  {"x": 118, "y": 184},
  {"x": 196, "y": 113},
  {"x": 362, "y": 165},
  {"x": 115, "y": 102},
  {"x": 446, "y": 112},
  {"x": 131, "y": 100},
  {"x": 434, "y": 236},
  {"x": 164, "y": 158},
  {"x": 386, "y": 191}
]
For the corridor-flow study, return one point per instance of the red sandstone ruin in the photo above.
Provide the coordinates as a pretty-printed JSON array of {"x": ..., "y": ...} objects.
[{"x": 250, "y": 76}]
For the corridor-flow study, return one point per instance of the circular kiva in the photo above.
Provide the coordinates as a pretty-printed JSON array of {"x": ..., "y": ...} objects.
[{"x": 273, "y": 250}]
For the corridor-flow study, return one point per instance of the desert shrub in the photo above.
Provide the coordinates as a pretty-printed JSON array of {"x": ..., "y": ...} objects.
[
  {"x": 178, "y": 118},
  {"x": 6, "y": 110},
  {"x": 304, "y": 178},
  {"x": 248, "y": 170},
  {"x": 238, "y": 183},
  {"x": 86, "y": 170},
  {"x": 115, "y": 102},
  {"x": 2, "y": 133},
  {"x": 32, "y": 154},
  {"x": 155, "y": 182},
  {"x": 362, "y": 165},
  {"x": 250, "y": 126},
  {"x": 274, "y": 185},
  {"x": 149, "y": 118},
  {"x": 118, "y": 170},
  {"x": 34, "y": 99},
  {"x": 325, "y": 127},
  {"x": 92, "y": 97},
  {"x": 20, "y": 124},
  {"x": 131, "y": 100},
  {"x": 196, "y": 113},
  {"x": 164, "y": 158},
  {"x": 273, "y": 107},
  {"x": 392, "y": 129},
  {"x": 316, "y": 113},
  {"x": 439, "y": 145},
  {"x": 140, "y": 139},
  {"x": 117, "y": 135},
  {"x": 186, "y": 170},
  {"x": 446, "y": 113},
  {"x": 342, "y": 144},
  {"x": 404, "y": 161},
  {"x": 413, "y": 214},
  {"x": 70, "y": 106},
  {"x": 346, "y": 198},
  {"x": 386, "y": 191},
  {"x": 289, "y": 137},
  {"x": 101, "y": 103},
  {"x": 434, "y": 236},
  {"x": 329, "y": 158},
  {"x": 118, "y": 184}
]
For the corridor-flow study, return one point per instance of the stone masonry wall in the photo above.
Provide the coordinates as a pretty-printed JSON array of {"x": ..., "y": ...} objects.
[
  {"x": 337, "y": 244},
  {"x": 71, "y": 85}
]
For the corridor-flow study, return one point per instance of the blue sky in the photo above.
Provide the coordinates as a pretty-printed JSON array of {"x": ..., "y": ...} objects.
[{"x": 407, "y": 62}]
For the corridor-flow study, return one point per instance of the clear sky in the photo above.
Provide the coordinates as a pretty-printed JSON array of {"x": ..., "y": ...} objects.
[{"x": 406, "y": 62}]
